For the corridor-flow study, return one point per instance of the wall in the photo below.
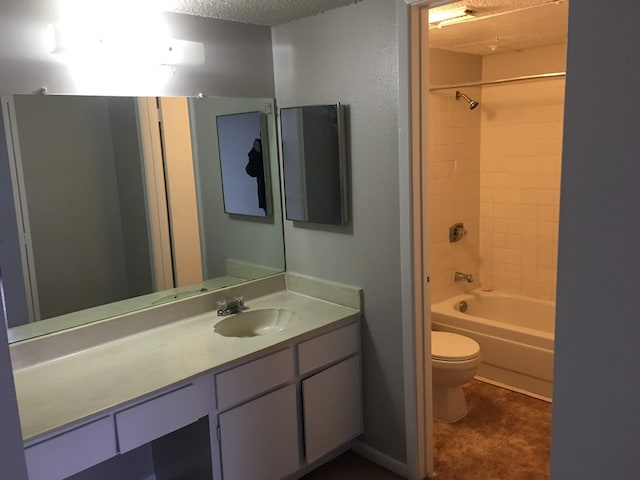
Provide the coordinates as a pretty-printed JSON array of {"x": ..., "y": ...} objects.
[
  {"x": 521, "y": 148},
  {"x": 454, "y": 171},
  {"x": 238, "y": 58},
  {"x": 497, "y": 169},
  {"x": 123, "y": 117},
  {"x": 596, "y": 421},
  {"x": 79, "y": 256},
  {"x": 350, "y": 55}
]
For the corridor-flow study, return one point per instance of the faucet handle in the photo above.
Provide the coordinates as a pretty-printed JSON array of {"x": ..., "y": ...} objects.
[
  {"x": 223, "y": 306},
  {"x": 239, "y": 301}
]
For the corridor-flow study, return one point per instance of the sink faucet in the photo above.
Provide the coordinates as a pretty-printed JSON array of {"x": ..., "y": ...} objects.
[
  {"x": 227, "y": 307},
  {"x": 466, "y": 277}
]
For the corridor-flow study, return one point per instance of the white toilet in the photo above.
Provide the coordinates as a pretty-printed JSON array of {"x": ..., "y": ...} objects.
[{"x": 455, "y": 359}]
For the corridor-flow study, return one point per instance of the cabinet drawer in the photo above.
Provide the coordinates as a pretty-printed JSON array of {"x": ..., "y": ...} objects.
[
  {"x": 328, "y": 348},
  {"x": 255, "y": 377},
  {"x": 158, "y": 416},
  {"x": 73, "y": 451}
]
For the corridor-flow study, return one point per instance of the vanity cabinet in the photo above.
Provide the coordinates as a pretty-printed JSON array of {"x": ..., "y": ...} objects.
[
  {"x": 299, "y": 405},
  {"x": 270, "y": 417}
]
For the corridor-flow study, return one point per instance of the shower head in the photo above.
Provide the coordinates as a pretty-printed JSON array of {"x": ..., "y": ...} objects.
[{"x": 472, "y": 103}]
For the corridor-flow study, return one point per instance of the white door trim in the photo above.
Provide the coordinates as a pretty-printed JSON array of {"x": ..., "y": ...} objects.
[
  {"x": 414, "y": 222},
  {"x": 21, "y": 207},
  {"x": 156, "y": 194}
]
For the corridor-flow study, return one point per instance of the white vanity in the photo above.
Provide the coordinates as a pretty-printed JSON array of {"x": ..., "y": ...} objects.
[{"x": 276, "y": 404}]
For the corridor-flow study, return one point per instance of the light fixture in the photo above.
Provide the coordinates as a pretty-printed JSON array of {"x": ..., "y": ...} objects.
[
  {"x": 443, "y": 15},
  {"x": 97, "y": 32},
  {"x": 122, "y": 46}
]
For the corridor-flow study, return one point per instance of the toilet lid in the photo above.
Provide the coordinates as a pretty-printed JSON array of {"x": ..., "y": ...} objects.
[{"x": 451, "y": 346}]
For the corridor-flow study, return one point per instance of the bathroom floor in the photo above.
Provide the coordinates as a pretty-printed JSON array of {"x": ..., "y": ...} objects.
[
  {"x": 350, "y": 466},
  {"x": 506, "y": 435}
]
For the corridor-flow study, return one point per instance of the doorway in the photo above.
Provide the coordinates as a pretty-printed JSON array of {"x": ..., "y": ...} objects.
[{"x": 484, "y": 66}]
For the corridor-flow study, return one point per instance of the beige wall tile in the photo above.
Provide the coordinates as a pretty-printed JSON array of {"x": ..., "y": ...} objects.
[{"x": 497, "y": 169}]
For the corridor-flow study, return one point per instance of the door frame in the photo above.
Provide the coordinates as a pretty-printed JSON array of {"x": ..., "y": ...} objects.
[
  {"x": 413, "y": 118},
  {"x": 156, "y": 194},
  {"x": 26, "y": 277}
]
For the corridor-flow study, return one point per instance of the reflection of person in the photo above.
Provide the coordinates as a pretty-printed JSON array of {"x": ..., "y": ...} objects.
[{"x": 255, "y": 168}]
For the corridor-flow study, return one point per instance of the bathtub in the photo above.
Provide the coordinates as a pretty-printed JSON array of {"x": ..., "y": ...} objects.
[{"x": 515, "y": 333}]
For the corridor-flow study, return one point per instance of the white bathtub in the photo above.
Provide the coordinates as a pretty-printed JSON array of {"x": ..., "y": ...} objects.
[{"x": 515, "y": 333}]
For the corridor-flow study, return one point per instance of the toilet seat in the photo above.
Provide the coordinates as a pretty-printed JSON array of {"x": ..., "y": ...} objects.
[{"x": 452, "y": 347}]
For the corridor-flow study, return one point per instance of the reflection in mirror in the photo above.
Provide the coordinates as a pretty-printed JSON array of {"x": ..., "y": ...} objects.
[
  {"x": 121, "y": 205},
  {"x": 243, "y": 182},
  {"x": 314, "y": 163}
]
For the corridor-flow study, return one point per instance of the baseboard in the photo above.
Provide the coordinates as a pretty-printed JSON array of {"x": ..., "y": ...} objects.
[
  {"x": 376, "y": 456},
  {"x": 321, "y": 461},
  {"x": 512, "y": 388}
]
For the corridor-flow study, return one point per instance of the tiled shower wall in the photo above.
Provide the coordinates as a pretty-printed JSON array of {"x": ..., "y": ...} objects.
[
  {"x": 520, "y": 160},
  {"x": 497, "y": 169},
  {"x": 454, "y": 171}
]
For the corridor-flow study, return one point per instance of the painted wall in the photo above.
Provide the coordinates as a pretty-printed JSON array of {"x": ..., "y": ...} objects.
[
  {"x": 72, "y": 202},
  {"x": 521, "y": 149},
  {"x": 351, "y": 55},
  {"x": 596, "y": 422},
  {"x": 123, "y": 117},
  {"x": 238, "y": 58},
  {"x": 454, "y": 171}
]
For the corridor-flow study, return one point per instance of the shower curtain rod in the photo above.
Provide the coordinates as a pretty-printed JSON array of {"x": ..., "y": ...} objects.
[{"x": 496, "y": 82}]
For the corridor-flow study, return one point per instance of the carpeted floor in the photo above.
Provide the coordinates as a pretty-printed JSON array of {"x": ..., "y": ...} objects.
[{"x": 505, "y": 436}]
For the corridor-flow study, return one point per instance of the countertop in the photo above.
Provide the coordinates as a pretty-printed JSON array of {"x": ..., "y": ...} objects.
[{"x": 61, "y": 391}]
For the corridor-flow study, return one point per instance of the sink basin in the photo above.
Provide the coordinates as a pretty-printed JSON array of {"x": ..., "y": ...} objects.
[{"x": 253, "y": 323}]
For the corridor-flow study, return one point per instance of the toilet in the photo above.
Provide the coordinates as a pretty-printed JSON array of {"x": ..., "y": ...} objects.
[{"x": 455, "y": 359}]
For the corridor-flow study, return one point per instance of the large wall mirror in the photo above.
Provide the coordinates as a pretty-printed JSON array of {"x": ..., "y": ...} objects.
[{"x": 120, "y": 206}]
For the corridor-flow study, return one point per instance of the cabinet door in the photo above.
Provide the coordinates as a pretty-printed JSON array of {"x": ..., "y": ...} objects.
[
  {"x": 260, "y": 438},
  {"x": 332, "y": 405}
]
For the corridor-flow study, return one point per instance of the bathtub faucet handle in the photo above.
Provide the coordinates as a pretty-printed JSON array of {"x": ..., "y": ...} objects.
[{"x": 459, "y": 277}]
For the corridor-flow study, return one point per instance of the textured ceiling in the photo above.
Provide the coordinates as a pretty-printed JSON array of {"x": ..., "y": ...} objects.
[
  {"x": 503, "y": 25},
  {"x": 497, "y": 25},
  {"x": 257, "y": 12}
]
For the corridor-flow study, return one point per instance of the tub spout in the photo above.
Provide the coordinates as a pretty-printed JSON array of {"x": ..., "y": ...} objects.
[{"x": 462, "y": 277}]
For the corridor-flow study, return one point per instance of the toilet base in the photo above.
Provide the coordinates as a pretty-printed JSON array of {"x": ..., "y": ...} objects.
[{"x": 449, "y": 404}]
